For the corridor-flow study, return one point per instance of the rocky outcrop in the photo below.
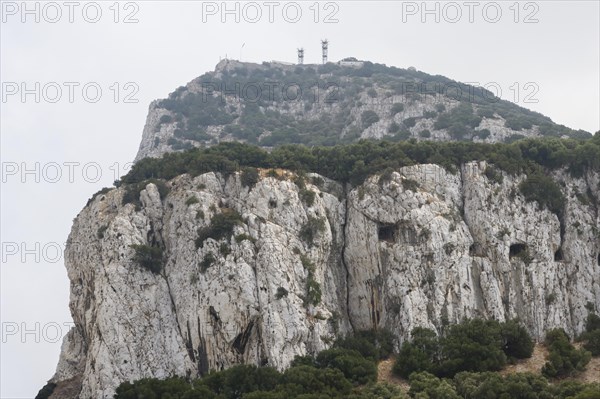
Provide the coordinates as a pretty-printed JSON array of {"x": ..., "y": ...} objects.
[
  {"x": 417, "y": 247},
  {"x": 403, "y": 104}
]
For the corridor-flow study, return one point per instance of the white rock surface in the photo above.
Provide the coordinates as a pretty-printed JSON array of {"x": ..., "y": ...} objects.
[{"x": 424, "y": 248}]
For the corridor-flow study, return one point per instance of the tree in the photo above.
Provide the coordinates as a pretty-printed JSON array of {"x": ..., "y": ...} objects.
[
  {"x": 425, "y": 385},
  {"x": 563, "y": 359},
  {"x": 420, "y": 354},
  {"x": 473, "y": 345},
  {"x": 516, "y": 341},
  {"x": 355, "y": 367}
]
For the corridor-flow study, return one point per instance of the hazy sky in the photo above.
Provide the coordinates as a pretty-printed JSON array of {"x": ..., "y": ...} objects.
[{"x": 74, "y": 140}]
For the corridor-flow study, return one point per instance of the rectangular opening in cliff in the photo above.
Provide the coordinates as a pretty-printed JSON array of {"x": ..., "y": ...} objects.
[
  {"x": 516, "y": 250},
  {"x": 387, "y": 232}
]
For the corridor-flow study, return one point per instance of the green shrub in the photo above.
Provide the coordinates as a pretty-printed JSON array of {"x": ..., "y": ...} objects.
[
  {"x": 385, "y": 177},
  {"x": 563, "y": 358},
  {"x": 150, "y": 258},
  {"x": 311, "y": 229},
  {"x": 410, "y": 122},
  {"x": 154, "y": 388},
  {"x": 355, "y": 367},
  {"x": 313, "y": 291},
  {"x": 239, "y": 380},
  {"x": 427, "y": 386},
  {"x": 592, "y": 322},
  {"x": 307, "y": 264},
  {"x": 591, "y": 336},
  {"x": 368, "y": 118},
  {"x": 103, "y": 191},
  {"x": 312, "y": 383},
  {"x": 224, "y": 249},
  {"x": 483, "y": 134},
  {"x": 191, "y": 200},
  {"x": 381, "y": 390},
  {"x": 410, "y": 184},
  {"x": 493, "y": 174},
  {"x": 516, "y": 341},
  {"x": 592, "y": 342},
  {"x": 207, "y": 262},
  {"x": 472, "y": 345},
  {"x": 544, "y": 190},
  {"x": 397, "y": 107},
  {"x": 422, "y": 353},
  {"x": 494, "y": 385},
  {"x": 318, "y": 181},
  {"x": 221, "y": 226},
  {"x": 371, "y": 344},
  {"x": 394, "y": 128},
  {"x": 307, "y": 196},
  {"x": 425, "y": 134},
  {"x": 243, "y": 237},
  {"x": 458, "y": 120},
  {"x": 249, "y": 177}
]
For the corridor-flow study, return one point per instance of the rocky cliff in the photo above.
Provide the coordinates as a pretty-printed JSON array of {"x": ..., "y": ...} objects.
[
  {"x": 416, "y": 247},
  {"x": 270, "y": 104}
]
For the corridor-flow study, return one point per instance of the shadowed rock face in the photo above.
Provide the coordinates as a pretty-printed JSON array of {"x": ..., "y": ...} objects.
[{"x": 423, "y": 248}]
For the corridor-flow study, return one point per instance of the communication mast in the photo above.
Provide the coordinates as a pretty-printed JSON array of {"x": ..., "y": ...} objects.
[
  {"x": 324, "y": 47},
  {"x": 300, "y": 56}
]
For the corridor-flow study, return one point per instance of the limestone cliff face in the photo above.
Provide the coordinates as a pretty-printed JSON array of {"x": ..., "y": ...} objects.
[{"x": 417, "y": 247}]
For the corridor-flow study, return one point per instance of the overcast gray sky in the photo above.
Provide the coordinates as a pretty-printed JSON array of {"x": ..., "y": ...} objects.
[{"x": 547, "y": 52}]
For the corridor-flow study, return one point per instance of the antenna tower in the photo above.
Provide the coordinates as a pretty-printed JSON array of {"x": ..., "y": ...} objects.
[{"x": 324, "y": 47}]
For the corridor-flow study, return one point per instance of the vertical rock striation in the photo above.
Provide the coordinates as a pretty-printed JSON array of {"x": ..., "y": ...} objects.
[{"x": 416, "y": 247}]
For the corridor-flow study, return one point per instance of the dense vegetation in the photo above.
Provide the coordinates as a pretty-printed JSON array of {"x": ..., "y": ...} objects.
[
  {"x": 591, "y": 336},
  {"x": 348, "y": 370},
  {"x": 473, "y": 345},
  {"x": 494, "y": 386},
  {"x": 268, "y": 105},
  {"x": 354, "y": 162},
  {"x": 564, "y": 359}
]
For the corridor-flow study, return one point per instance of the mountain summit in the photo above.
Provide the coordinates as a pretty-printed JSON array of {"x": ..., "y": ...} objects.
[{"x": 273, "y": 103}]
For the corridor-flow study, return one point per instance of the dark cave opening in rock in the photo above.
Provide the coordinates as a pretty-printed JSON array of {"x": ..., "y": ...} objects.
[
  {"x": 599, "y": 259},
  {"x": 386, "y": 232},
  {"x": 516, "y": 250},
  {"x": 558, "y": 255}
]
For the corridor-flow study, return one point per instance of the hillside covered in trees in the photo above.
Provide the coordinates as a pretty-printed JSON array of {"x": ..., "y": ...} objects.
[{"x": 273, "y": 104}]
